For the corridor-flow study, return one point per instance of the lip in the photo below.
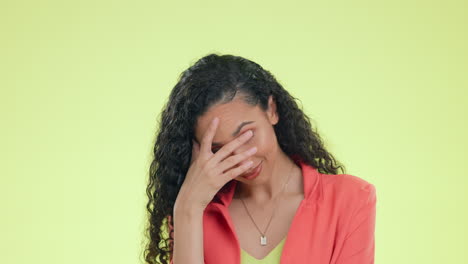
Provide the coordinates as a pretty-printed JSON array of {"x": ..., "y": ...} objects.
[{"x": 255, "y": 171}]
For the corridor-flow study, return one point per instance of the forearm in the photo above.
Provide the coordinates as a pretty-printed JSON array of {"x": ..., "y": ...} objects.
[{"x": 188, "y": 235}]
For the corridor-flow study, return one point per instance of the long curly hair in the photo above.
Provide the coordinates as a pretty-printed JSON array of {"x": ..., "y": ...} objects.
[{"x": 211, "y": 80}]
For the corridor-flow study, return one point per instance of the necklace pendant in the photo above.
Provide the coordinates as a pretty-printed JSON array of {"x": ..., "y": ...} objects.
[{"x": 263, "y": 240}]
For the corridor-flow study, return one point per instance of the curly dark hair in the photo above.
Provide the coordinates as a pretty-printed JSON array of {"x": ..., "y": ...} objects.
[{"x": 211, "y": 80}]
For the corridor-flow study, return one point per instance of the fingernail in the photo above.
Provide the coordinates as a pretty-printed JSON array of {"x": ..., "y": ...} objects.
[{"x": 252, "y": 150}]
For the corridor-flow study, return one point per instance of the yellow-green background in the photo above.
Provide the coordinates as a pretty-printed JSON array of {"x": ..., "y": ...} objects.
[{"x": 83, "y": 82}]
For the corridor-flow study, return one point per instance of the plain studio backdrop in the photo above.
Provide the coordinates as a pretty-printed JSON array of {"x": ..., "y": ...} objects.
[{"x": 83, "y": 83}]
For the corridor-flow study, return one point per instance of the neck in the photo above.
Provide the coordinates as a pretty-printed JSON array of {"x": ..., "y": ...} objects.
[{"x": 276, "y": 173}]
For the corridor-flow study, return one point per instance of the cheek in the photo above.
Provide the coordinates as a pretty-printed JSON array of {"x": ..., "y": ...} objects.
[{"x": 263, "y": 142}]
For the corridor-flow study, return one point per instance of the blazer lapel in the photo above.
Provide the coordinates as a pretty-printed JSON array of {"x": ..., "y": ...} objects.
[{"x": 221, "y": 244}]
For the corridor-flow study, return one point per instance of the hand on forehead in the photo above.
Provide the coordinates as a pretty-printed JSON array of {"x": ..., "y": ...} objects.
[{"x": 233, "y": 117}]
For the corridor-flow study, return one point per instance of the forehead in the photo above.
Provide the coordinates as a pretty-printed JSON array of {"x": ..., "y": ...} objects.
[{"x": 230, "y": 115}]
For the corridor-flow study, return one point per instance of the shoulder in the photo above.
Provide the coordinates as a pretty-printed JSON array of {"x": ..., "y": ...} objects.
[
  {"x": 347, "y": 184},
  {"x": 348, "y": 191}
]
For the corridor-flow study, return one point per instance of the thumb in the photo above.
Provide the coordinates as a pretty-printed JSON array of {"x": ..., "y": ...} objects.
[{"x": 195, "y": 151}]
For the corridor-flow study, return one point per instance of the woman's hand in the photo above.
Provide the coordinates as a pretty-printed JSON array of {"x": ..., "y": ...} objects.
[{"x": 209, "y": 171}]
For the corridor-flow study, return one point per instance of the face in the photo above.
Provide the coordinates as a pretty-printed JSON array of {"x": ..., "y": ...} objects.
[{"x": 238, "y": 116}]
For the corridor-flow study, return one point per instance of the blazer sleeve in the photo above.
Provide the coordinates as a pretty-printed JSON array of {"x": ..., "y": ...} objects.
[{"x": 359, "y": 243}]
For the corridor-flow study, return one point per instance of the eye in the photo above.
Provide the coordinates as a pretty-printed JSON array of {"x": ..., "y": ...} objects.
[{"x": 215, "y": 150}]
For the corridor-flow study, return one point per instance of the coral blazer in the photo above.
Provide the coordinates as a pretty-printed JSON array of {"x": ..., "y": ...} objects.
[{"x": 334, "y": 223}]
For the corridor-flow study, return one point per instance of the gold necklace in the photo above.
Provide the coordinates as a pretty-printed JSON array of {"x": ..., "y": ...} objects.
[{"x": 263, "y": 239}]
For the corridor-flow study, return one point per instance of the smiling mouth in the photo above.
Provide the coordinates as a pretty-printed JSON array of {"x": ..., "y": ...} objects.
[{"x": 251, "y": 170}]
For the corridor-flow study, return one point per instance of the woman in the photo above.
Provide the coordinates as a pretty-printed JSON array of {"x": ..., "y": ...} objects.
[{"x": 239, "y": 176}]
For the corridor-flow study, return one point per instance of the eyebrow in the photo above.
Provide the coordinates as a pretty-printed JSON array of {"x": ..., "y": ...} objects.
[{"x": 235, "y": 133}]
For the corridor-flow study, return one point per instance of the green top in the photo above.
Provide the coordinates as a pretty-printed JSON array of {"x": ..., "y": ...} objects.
[{"x": 272, "y": 258}]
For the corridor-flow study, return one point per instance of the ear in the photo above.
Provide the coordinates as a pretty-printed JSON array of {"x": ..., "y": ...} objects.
[{"x": 271, "y": 112}]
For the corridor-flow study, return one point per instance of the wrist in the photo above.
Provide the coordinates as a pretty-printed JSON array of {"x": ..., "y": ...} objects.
[{"x": 186, "y": 208}]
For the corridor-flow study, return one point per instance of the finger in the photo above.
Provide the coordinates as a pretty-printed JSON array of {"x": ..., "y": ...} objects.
[
  {"x": 236, "y": 160},
  {"x": 233, "y": 173},
  {"x": 207, "y": 139},
  {"x": 197, "y": 149},
  {"x": 227, "y": 149}
]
